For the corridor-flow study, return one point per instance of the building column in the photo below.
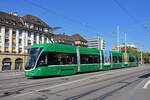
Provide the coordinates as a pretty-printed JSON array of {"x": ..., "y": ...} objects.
[
  {"x": 10, "y": 40},
  {"x": 17, "y": 41},
  {"x": 12, "y": 63},
  {"x": 25, "y": 58},
  {"x": 37, "y": 39},
  {"x": 3, "y": 38},
  {"x": 52, "y": 39},
  {"x": 47, "y": 40},
  {"x": 1, "y": 64},
  {"x": 24, "y": 62},
  {"x": 23, "y": 41},
  {"x": 26, "y": 42},
  {"x": 32, "y": 38},
  {"x": 42, "y": 38}
]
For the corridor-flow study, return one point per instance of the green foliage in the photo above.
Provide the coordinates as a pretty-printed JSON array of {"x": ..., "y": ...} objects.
[{"x": 145, "y": 55}]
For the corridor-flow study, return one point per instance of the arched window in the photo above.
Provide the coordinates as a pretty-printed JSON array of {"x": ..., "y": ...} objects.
[
  {"x": 18, "y": 64},
  {"x": 6, "y": 64}
]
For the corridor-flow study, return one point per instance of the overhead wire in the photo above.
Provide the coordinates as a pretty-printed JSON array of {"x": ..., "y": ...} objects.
[
  {"x": 144, "y": 25},
  {"x": 59, "y": 14},
  {"x": 50, "y": 11},
  {"x": 86, "y": 25},
  {"x": 130, "y": 15}
]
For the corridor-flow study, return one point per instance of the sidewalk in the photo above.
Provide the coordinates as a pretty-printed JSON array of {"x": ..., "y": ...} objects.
[
  {"x": 142, "y": 91},
  {"x": 10, "y": 71}
]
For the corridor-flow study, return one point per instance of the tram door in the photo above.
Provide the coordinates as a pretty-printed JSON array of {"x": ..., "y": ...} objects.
[
  {"x": 107, "y": 59},
  {"x": 6, "y": 64}
]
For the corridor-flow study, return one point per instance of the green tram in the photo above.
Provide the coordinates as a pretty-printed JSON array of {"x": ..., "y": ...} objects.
[{"x": 52, "y": 59}]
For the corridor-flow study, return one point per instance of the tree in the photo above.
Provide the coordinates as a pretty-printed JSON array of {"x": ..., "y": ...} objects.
[
  {"x": 145, "y": 55},
  {"x": 129, "y": 50}
]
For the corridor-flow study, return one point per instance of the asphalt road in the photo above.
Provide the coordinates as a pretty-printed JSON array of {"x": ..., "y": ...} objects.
[{"x": 120, "y": 84}]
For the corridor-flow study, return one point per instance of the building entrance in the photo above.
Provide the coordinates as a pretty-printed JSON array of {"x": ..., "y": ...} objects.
[{"x": 6, "y": 64}]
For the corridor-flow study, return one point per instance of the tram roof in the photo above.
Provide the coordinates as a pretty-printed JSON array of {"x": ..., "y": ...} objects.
[{"x": 55, "y": 47}]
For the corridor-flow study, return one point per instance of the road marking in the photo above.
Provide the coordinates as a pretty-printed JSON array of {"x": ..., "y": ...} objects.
[
  {"x": 110, "y": 72},
  {"x": 60, "y": 85},
  {"x": 23, "y": 94},
  {"x": 138, "y": 88},
  {"x": 146, "y": 85}
]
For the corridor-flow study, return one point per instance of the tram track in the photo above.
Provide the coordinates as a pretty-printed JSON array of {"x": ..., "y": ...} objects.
[
  {"x": 22, "y": 87},
  {"x": 105, "y": 95},
  {"x": 103, "y": 80},
  {"x": 11, "y": 76},
  {"x": 5, "y": 79}
]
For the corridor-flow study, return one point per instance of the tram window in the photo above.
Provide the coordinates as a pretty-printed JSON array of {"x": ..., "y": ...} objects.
[
  {"x": 110, "y": 59},
  {"x": 61, "y": 58},
  {"x": 68, "y": 58},
  {"x": 131, "y": 59},
  {"x": 74, "y": 59},
  {"x": 102, "y": 58},
  {"x": 115, "y": 60},
  {"x": 84, "y": 59},
  {"x": 120, "y": 59},
  {"x": 43, "y": 60},
  {"x": 89, "y": 59},
  {"x": 63, "y": 61},
  {"x": 96, "y": 59},
  {"x": 52, "y": 58},
  {"x": 47, "y": 58}
]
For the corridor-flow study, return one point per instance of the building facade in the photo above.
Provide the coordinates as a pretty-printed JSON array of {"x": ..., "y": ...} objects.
[
  {"x": 75, "y": 39},
  {"x": 96, "y": 43},
  {"x": 114, "y": 48},
  {"x": 17, "y": 34},
  {"x": 128, "y": 45}
]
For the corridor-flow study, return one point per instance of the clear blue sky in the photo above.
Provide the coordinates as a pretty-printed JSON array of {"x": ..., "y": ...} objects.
[{"x": 88, "y": 17}]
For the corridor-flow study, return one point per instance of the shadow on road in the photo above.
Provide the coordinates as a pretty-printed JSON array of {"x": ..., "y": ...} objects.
[
  {"x": 145, "y": 76},
  {"x": 42, "y": 77}
]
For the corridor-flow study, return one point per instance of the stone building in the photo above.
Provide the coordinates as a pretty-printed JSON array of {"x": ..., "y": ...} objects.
[
  {"x": 75, "y": 39},
  {"x": 79, "y": 40},
  {"x": 16, "y": 35}
]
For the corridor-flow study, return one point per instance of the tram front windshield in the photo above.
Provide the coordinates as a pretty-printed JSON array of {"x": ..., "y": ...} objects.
[{"x": 33, "y": 57}]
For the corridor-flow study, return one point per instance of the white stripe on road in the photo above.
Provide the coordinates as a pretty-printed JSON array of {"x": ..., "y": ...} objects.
[
  {"x": 71, "y": 82},
  {"x": 60, "y": 85},
  {"x": 146, "y": 85}
]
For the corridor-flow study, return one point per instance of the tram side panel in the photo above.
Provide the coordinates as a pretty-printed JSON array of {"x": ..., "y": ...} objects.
[
  {"x": 132, "y": 60},
  {"x": 66, "y": 59},
  {"x": 117, "y": 60},
  {"x": 89, "y": 59}
]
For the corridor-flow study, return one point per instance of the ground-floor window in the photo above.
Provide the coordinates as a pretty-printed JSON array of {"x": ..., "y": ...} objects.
[
  {"x": 18, "y": 64},
  {"x": 6, "y": 64}
]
